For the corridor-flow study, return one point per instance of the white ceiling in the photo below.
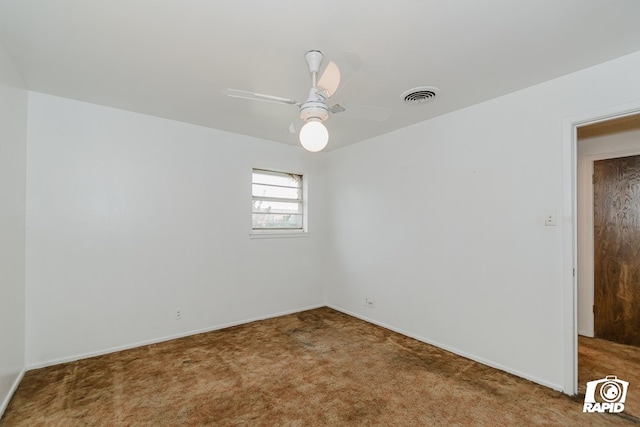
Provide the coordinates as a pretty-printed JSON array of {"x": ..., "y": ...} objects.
[{"x": 173, "y": 58}]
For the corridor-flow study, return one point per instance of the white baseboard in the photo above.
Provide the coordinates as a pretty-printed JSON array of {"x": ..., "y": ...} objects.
[
  {"x": 464, "y": 354},
  {"x": 73, "y": 358},
  {"x": 284, "y": 313},
  {"x": 12, "y": 390}
]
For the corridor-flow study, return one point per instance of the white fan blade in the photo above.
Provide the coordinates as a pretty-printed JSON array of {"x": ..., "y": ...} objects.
[
  {"x": 243, "y": 94},
  {"x": 330, "y": 79},
  {"x": 362, "y": 112}
]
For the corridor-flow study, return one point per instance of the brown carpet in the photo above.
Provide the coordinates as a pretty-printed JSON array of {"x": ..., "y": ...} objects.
[
  {"x": 598, "y": 358},
  {"x": 318, "y": 367}
]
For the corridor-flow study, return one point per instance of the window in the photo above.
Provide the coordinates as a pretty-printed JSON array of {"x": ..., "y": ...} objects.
[{"x": 276, "y": 201}]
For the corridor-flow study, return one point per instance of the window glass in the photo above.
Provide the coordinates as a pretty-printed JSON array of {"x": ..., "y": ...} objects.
[{"x": 276, "y": 201}]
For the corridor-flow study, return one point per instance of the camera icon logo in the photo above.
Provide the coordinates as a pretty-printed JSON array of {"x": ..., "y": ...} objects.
[{"x": 605, "y": 395}]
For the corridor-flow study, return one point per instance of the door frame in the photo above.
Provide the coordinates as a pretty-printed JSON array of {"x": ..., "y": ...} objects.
[{"x": 569, "y": 233}]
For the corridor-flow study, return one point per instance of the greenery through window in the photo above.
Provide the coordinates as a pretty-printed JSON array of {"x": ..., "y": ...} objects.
[{"x": 276, "y": 200}]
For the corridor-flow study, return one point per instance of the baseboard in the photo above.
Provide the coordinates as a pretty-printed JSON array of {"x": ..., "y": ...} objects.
[
  {"x": 73, "y": 358},
  {"x": 284, "y": 313},
  {"x": 464, "y": 354},
  {"x": 585, "y": 333},
  {"x": 12, "y": 390}
]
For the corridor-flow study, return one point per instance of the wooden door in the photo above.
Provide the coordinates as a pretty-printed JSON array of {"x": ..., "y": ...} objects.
[{"x": 616, "y": 195}]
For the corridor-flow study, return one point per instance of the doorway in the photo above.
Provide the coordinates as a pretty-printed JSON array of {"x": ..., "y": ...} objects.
[
  {"x": 597, "y": 144},
  {"x": 608, "y": 252},
  {"x": 570, "y": 215}
]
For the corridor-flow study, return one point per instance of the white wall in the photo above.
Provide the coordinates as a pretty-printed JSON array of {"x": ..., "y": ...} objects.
[
  {"x": 442, "y": 223},
  {"x": 13, "y": 128},
  {"x": 617, "y": 144},
  {"x": 131, "y": 216}
]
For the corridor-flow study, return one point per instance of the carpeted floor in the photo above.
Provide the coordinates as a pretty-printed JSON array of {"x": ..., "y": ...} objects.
[
  {"x": 599, "y": 358},
  {"x": 318, "y": 367}
]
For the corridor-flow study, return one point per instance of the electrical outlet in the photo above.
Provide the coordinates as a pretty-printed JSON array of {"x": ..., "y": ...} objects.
[
  {"x": 177, "y": 313},
  {"x": 369, "y": 302}
]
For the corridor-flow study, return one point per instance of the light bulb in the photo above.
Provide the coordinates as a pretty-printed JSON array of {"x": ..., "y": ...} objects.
[{"x": 314, "y": 136}]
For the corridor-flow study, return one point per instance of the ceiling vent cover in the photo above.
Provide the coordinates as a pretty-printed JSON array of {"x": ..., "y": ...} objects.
[{"x": 420, "y": 95}]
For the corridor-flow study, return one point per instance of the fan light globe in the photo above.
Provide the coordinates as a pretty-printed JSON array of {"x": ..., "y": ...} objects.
[{"x": 314, "y": 136}]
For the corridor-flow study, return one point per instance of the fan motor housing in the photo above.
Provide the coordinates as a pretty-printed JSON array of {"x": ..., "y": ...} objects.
[{"x": 314, "y": 110}]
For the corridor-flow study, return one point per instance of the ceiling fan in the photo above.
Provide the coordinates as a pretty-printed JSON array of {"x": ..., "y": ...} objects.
[{"x": 313, "y": 135}]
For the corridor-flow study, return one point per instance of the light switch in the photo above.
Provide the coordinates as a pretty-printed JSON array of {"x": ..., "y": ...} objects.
[{"x": 550, "y": 219}]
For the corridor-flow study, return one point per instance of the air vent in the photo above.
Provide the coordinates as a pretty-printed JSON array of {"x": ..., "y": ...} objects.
[{"x": 420, "y": 95}]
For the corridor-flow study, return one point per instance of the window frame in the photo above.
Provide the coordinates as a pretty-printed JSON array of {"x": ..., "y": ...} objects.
[{"x": 282, "y": 232}]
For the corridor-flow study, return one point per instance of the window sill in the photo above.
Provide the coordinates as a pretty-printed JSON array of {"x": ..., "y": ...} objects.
[{"x": 277, "y": 234}]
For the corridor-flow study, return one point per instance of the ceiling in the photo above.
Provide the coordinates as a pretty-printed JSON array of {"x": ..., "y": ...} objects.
[{"x": 173, "y": 59}]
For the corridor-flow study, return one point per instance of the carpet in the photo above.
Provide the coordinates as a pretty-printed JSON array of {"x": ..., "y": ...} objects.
[
  {"x": 598, "y": 358},
  {"x": 314, "y": 368}
]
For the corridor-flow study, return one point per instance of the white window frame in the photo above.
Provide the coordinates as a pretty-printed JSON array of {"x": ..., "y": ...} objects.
[{"x": 267, "y": 233}]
